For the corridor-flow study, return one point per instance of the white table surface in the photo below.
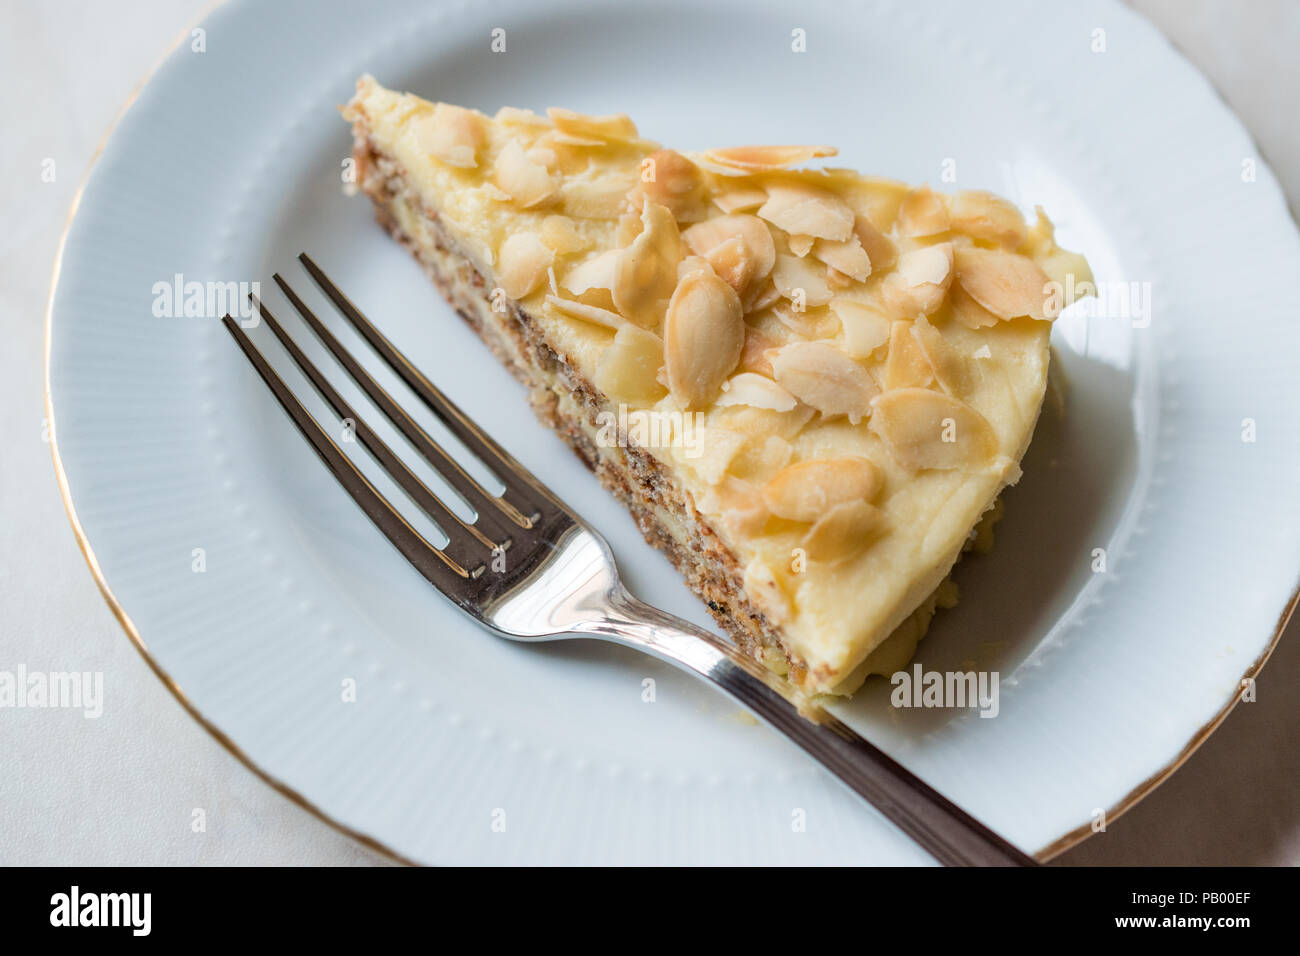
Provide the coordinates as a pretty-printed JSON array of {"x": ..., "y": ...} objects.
[{"x": 123, "y": 788}]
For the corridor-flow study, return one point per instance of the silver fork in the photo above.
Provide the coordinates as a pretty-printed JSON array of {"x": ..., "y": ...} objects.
[{"x": 560, "y": 581}]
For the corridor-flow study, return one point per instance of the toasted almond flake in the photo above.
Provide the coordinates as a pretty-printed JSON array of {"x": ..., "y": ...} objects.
[
  {"x": 800, "y": 245},
  {"x": 906, "y": 365},
  {"x": 927, "y": 429},
  {"x": 691, "y": 264},
  {"x": 759, "y": 158},
  {"x": 752, "y": 358},
  {"x": 990, "y": 218},
  {"x": 1006, "y": 284},
  {"x": 587, "y": 313},
  {"x": 865, "y": 328},
  {"x": 844, "y": 531},
  {"x": 807, "y": 211},
  {"x": 494, "y": 192},
  {"x": 740, "y": 503},
  {"x": 561, "y": 138},
  {"x": 764, "y": 295},
  {"x": 922, "y": 214},
  {"x": 513, "y": 116},
  {"x": 628, "y": 369},
  {"x": 526, "y": 182},
  {"x": 522, "y": 263},
  {"x": 761, "y": 457},
  {"x": 561, "y": 234},
  {"x": 740, "y": 199},
  {"x": 595, "y": 273},
  {"x": 967, "y": 311},
  {"x": 808, "y": 324},
  {"x": 807, "y": 489},
  {"x": 550, "y": 279},
  {"x": 739, "y": 248},
  {"x": 453, "y": 134},
  {"x": 947, "y": 363},
  {"x": 847, "y": 257},
  {"x": 704, "y": 333},
  {"x": 596, "y": 199},
  {"x": 880, "y": 249},
  {"x": 757, "y": 391},
  {"x": 614, "y": 128},
  {"x": 823, "y": 377},
  {"x": 920, "y": 280},
  {"x": 543, "y": 155},
  {"x": 837, "y": 280},
  {"x": 645, "y": 273},
  {"x": 670, "y": 179},
  {"x": 801, "y": 281}
]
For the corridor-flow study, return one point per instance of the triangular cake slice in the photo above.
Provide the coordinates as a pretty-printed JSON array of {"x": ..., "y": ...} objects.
[{"x": 807, "y": 385}]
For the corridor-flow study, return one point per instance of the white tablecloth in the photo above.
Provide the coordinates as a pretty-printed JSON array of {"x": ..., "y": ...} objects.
[{"x": 123, "y": 788}]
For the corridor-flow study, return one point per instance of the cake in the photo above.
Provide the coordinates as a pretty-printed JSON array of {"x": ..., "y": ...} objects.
[{"x": 808, "y": 386}]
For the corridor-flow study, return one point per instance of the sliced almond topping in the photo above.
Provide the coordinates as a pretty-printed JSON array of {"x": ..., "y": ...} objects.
[
  {"x": 672, "y": 180},
  {"x": 865, "y": 328},
  {"x": 522, "y": 263},
  {"x": 615, "y": 128},
  {"x": 806, "y": 490},
  {"x": 761, "y": 457},
  {"x": 847, "y": 257},
  {"x": 587, "y": 313},
  {"x": 645, "y": 273},
  {"x": 988, "y": 217},
  {"x": 800, "y": 245},
  {"x": 808, "y": 324},
  {"x": 741, "y": 505},
  {"x": 844, "y": 531},
  {"x": 740, "y": 199},
  {"x": 704, "y": 332},
  {"x": 880, "y": 249},
  {"x": 801, "y": 281},
  {"x": 969, "y": 312},
  {"x": 526, "y": 182},
  {"x": 758, "y": 158},
  {"x": 1006, "y": 284},
  {"x": 823, "y": 377},
  {"x": 513, "y": 116},
  {"x": 807, "y": 211},
  {"x": 947, "y": 363},
  {"x": 752, "y": 358},
  {"x": 757, "y": 391},
  {"x": 906, "y": 366},
  {"x": 560, "y": 233},
  {"x": 595, "y": 273},
  {"x": 920, "y": 281},
  {"x": 451, "y": 133},
  {"x": 739, "y": 248},
  {"x": 922, "y": 214},
  {"x": 927, "y": 429},
  {"x": 764, "y": 295},
  {"x": 628, "y": 368},
  {"x": 602, "y": 198}
]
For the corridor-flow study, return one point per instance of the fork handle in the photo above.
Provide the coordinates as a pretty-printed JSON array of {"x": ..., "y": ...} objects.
[{"x": 947, "y": 832}]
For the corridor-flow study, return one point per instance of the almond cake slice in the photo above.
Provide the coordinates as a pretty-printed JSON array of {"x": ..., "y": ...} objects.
[{"x": 808, "y": 386}]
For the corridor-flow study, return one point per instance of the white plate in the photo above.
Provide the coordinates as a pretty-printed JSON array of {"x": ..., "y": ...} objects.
[{"x": 228, "y": 164}]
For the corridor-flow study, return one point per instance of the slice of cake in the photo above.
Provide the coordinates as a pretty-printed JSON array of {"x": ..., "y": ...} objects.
[{"x": 808, "y": 386}]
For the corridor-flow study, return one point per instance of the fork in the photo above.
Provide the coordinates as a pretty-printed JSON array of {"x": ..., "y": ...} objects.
[{"x": 558, "y": 578}]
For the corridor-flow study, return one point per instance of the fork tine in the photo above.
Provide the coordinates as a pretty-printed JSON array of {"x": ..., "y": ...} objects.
[
  {"x": 438, "y": 568},
  {"x": 518, "y": 480},
  {"x": 448, "y": 520},
  {"x": 433, "y": 453}
]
